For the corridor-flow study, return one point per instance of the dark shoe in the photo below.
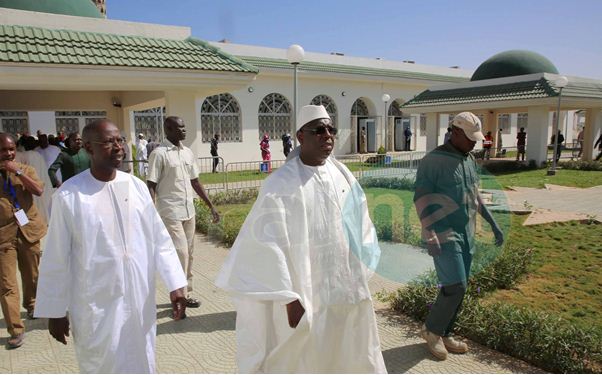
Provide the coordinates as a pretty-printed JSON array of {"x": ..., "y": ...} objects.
[
  {"x": 193, "y": 302},
  {"x": 16, "y": 341}
]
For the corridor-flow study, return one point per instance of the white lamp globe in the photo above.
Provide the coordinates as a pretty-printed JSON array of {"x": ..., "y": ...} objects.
[
  {"x": 386, "y": 97},
  {"x": 561, "y": 82},
  {"x": 295, "y": 54}
]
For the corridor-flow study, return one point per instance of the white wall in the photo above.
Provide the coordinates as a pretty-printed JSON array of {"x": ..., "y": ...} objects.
[
  {"x": 44, "y": 121},
  {"x": 308, "y": 88}
]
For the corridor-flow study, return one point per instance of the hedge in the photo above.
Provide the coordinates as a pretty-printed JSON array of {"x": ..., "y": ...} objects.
[
  {"x": 581, "y": 165},
  {"x": 538, "y": 338}
]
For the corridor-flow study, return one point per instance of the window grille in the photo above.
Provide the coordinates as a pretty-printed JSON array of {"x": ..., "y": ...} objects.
[
  {"x": 14, "y": 122},
  {"x": 360, "y": 109},
  {"x": 150, "y": 123},
  {"x": 221, "y": 114},
  {"x": 395, "y": 110},
  {"x": 274, "y": 116},
  {"x": 328, "y": 103},
  {"x": 503, "y": 122}
]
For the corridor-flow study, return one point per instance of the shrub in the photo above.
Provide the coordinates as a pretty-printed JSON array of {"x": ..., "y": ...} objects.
[
  {"x": 395, "y": 183},
  {"x": 234, "y": 196},
  {"x": 506, "y": 166},
  {"x": 581, "y": 165},
  {"x": 381, "y": 150},
  {"x": 541, "y": 339},
  {"x": 226, "y": 230}
]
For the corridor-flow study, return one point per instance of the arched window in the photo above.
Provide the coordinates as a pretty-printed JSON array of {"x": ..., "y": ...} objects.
[
  {"x": 221, "y": 114},
  {"x": 328, "y": 103},
  {"x": 360, "y": 109},
  {"x": 274, "y": 116},
  {"x": 394, "y": 110}
]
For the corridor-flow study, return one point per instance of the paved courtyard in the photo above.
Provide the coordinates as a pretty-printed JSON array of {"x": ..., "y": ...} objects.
[
  {"x": 556, "y": 203},
  {"x": 205, "y": 341}
]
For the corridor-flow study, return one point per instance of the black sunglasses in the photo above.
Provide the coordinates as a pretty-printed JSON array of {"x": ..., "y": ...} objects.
[{"x": 321, "y": 130}]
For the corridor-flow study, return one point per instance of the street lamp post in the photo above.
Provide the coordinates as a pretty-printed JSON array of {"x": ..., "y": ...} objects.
[
  {"x": 561, "y": 83},
  {"x": 295, "y": 55},
  {"x": 385, "y": 98}
]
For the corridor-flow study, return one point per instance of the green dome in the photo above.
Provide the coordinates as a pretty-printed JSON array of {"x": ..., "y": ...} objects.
[
  {"x": 80, "y": 8},
  {"x": 513, "y": 63}
]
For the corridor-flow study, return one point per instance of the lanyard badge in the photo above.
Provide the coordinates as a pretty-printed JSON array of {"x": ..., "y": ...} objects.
[{"x": 20, "y": 214}]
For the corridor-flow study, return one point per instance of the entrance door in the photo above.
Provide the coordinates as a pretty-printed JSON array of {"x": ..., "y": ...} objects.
[
  {"x": 398, "y": 134},
  {"x": 369, "y": 125}
]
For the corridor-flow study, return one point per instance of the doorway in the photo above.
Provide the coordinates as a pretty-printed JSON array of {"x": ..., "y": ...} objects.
[
  {"x": 401, "y": 124},
  {"x": 369, "y": 125}
]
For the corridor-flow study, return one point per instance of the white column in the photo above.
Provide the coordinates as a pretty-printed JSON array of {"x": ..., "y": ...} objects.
[
  {"x": 129, "y": 128},
  {"x": 432, "y": 131},
  {"x": 353, "y": 134},
  {"x": 185, "y": 105},
  {"x": 538, "y": 134},
  {"x": 593, "y": 126}
]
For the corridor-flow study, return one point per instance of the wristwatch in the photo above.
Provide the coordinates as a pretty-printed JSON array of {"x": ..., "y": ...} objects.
[{"x": 18, "y": 172}]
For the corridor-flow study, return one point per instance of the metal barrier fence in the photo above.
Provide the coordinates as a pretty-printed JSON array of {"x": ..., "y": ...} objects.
[{"x": 251, "y": 174}]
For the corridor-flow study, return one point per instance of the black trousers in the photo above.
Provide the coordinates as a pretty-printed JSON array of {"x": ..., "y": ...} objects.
[{"x": 215, "y": 162}]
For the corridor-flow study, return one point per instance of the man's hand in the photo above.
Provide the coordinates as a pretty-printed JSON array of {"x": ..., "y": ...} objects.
[
  {"x": 295, "y": 312},
  {"x": 9, "y": 166},
  {"x": 215, "y": 215},
  {"x": 499, "y": 235},
  {"x": 178, "y": 303},
  {"x": 433, "y": 246},
  {"x": 59, "y": 329}
]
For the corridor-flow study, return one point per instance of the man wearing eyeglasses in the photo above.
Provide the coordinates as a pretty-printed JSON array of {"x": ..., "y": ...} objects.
[
  {"x": 298, "y": 271},
  {"x": 105, "y": 244}
]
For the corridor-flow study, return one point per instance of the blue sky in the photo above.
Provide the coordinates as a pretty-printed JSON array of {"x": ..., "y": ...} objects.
[{"x": 434, "y": 32}]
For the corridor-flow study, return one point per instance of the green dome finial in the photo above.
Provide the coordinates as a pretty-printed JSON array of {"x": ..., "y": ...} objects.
[
  {"x": 80, "y": 8},
  {"x": 513, "y": 63}
]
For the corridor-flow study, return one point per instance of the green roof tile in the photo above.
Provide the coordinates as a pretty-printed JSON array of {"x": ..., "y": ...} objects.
[
  {"x": 23, "y": 44},
  {"x": 540, "y": 88}
]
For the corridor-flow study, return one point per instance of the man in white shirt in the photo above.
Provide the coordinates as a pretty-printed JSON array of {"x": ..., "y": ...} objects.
[
  {"x": 173, "y": 178},
  {"x": 141, "y": 155},
  {"x": 48, "y": 151},
  {"x": 298, "y": 271},
  {"x": 105, "y": 244}
]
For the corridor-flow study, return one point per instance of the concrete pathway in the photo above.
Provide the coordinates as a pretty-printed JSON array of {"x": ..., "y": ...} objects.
[
  {"x": 557, "y": 203},
  {"x": 205, "y": 341}
]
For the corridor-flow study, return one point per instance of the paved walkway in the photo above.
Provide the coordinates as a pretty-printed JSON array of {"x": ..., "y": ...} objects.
[
  {"x": 557, "y": 203},
  {"x": 205, "y": 341}
]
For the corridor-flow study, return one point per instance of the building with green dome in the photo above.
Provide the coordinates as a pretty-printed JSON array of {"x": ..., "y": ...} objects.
[
  {"x": 63, "y": 64},
  {"x": 516, "y": 87}
]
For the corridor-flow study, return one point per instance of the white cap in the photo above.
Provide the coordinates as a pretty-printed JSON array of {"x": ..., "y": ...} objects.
[
  {"x": 471, "y": 125},
  {"x": 310, "y": 113}
]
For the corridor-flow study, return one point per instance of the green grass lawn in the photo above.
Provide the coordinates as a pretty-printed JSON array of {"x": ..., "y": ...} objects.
[
  {"x": 537, "y": 178},
  {"x": 565, "y": 276}
]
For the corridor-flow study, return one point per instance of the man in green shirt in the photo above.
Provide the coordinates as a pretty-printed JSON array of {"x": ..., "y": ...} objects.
[
  {"x": 71, "y": 161},
  {"x": 447, "y": 201}
]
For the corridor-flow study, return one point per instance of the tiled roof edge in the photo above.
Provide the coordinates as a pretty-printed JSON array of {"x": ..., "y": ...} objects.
[{"x": 199, "y": 42}]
